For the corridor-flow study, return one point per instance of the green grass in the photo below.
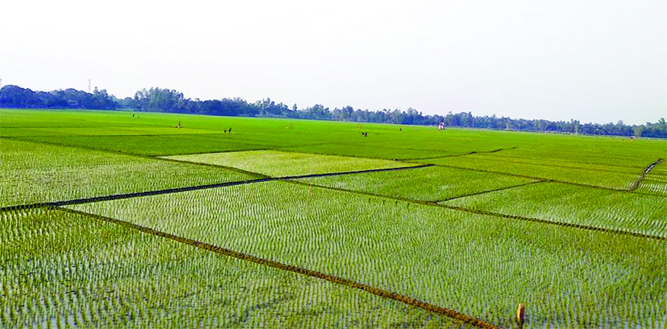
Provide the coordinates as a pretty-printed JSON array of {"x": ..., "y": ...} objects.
[
  {"x": 62, "y": 269},
  {"x": 423, "y": 184},
  {"x": 614, "y": 180},
  {"x": 479, "y": 265},
  {"x": 274, "y": 163},
  {"x": 34, "y": 173},
  {"x": 563, "y": 203}
]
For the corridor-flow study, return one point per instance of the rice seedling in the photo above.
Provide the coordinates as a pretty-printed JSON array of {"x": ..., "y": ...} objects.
[{"x": 63, "y": 269}]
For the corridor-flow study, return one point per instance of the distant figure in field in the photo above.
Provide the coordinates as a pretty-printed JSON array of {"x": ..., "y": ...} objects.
[
  {"x": 225, "y": 131},
  {"x": 179, "y": 124},
  {"x": 230, "y": 130},
  {"x": 364, "y": 134},
  {"x": 400, "y": 129}
]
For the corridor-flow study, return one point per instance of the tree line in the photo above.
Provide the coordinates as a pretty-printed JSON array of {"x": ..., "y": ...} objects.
[
  {"x": 17, "y": 97},
  {"x": 172, "y": 101}
]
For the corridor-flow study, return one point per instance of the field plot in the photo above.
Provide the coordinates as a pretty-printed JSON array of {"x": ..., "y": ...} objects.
[
  {"x": 102, "y": 131},
  {"x": 274, "y": 163},
  {"x": 151, "y": 145},
  {"x": 36, "y": 173},
  {"x": 613, "y": 180},
  {"x": 562, "y": 164},
  {"x": 15, "y": 118},
  {"x": 408, "y": 145},
  {"x": 423, "y": 184},
  {"x": 480, "y": 265},
  {"x": 61, "y": 269},
  {"x": 563, "y": 203},
  {"x": 605, "y": 151}
]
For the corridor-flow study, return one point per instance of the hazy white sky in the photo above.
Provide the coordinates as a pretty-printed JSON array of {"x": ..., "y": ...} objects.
[{"x": 597, "y": 61}]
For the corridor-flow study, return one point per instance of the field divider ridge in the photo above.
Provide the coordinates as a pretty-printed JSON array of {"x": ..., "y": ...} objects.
[
  {"x": 492, "y": 214},
  {"x": 353, "y": 172},
  {"x": 195, "y": 188},
  {"x": 648, "y": 169},
  {"x": 295, "y": 269},
  {"x": 133, "y": 195},
  {"x": 564, "y": 224},
  {"x": 567, "y": 161},
  {"x": 139, "y": 155},
  {"x": 288, "y": 150},
  {"x": 460, "y": 155},
  {"x": 563, "y": 167},
  {"x": 494, "y": 190},
  {"x": 251, "y": 173}
]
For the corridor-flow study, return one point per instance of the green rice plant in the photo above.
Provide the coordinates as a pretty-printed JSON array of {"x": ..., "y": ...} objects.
[
  {"x": 423, "y": 184},
  {"x": 562, "y": 203},
  {"x": 275, "y": 163},
  {"x": 62, "y": 270},
  {"x": 483, "y": 266},
  {"x": 34, "y": 173}
]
